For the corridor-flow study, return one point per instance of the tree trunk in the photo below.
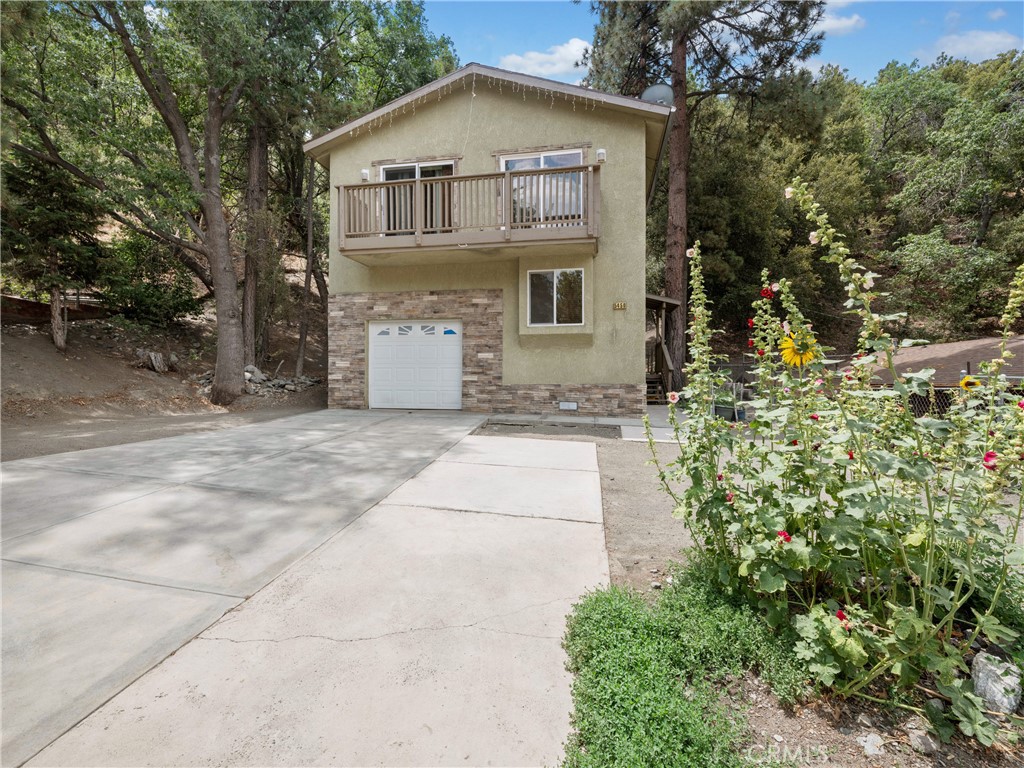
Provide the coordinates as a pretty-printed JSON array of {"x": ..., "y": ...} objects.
[
  {"x": 57, "y": 326},
  {"x": 676, "y": 266},
  {"x": 300, "y": 354},
  {"x": 256, "y": 234},
  {"x": 228, "y": 378}
]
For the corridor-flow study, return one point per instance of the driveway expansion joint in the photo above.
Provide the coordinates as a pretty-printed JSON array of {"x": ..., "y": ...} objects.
[{"x": 386, "y": 503}]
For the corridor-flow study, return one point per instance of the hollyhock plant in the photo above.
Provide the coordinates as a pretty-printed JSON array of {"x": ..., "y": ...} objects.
[{"x": 885, "y": 538}]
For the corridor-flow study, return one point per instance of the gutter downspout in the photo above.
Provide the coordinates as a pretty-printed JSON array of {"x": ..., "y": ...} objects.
[{"x": 661, "y": 156}]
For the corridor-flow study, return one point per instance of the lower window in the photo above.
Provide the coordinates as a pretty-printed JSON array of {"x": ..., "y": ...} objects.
[{"x": 555, "y": 297}]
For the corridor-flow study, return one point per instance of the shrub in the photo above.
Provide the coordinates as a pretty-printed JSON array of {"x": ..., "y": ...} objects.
[
  {"x": 142, "y": 281},
  {"x": 642, "y": 689},
  {"x": 884, "y": 540}
]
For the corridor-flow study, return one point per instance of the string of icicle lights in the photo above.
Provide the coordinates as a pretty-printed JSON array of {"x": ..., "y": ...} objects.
[{"x": 540, "y": 94}]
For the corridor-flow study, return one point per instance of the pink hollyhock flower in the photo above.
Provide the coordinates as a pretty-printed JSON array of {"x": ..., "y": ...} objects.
[
  {"x": 784, "y": 536},
  {"x": 842, "y": 617},
  {"x": 789, "y": 192},
  {"x": 690, "y": 253},
  {"x": 813, "y": 237},
  {"x": 673, "y": 397},
  {"x": 729, "y": 497},
  {"x": 785, "y": 327},
  {"x": 988, "y": 461},
  {"x": 775, "y": 287},
  {"x": 1020, "y": 404},
  {"x": 818, "y": 382}
]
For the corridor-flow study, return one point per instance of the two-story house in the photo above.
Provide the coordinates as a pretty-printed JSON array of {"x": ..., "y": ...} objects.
[{"x": 487, "y": 247}]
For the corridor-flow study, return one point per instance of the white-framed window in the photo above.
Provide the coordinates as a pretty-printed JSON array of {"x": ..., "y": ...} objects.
[
  {"x": 547, "y": 197},
  {"x": 397, "y": 201},
  {"x": 554, "y": 297}
]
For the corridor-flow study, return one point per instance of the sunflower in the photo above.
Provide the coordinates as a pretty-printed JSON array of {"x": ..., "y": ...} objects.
[
  {"x": 969, "y": 383},
  {"x": 798, "y": 348}
]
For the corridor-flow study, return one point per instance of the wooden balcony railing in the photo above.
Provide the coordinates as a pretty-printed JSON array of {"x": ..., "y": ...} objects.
[{"x": 485, "y": 209}]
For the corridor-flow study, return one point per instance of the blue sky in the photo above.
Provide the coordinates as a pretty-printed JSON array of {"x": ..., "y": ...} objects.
[{"x": 861, "y": 36}]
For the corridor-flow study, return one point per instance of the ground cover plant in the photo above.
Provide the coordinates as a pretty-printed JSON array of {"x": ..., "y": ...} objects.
[
  {"x": 883, "y": 539},
  {"x": 644, "y": 687}
]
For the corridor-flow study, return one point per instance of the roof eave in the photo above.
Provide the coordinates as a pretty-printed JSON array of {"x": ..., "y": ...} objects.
[{"x": 611, "y": 101}]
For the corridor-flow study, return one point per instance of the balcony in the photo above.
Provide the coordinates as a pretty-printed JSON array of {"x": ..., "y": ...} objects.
[{"x": 446, "y": 219}]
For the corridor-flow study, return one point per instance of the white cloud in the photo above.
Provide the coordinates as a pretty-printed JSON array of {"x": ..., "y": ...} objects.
[
  {"x": 557, "y": 61},
  {"x": 973, "y": 45},
  {"x": 831, "y": 24},
  {"x": 997, "y": 14},
  {"x": 952, "y": 20}
]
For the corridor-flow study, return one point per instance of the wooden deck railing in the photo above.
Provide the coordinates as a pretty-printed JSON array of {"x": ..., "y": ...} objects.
[{"x": 555, "y": 203}]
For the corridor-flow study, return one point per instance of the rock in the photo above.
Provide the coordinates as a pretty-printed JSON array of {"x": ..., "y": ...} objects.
[
  {"x": 655, "y": 585},
  {"x": 251, "y": 369},
  {"x": 248, "y": 376},
  {"x": 777, "y": 738},
  {"x": 258, "y": 376},
  {"x": 996, "y": 682},
  {"x": 156, "y": 362},
  {"x": 938, "y": 704},
  {"x": 250, "y": 389},
  {"x": 872, "y": 744},
  {"x": 923, "y": 742},
  {"x": 863, "y": 719},
  {"x": 290, "y": 388}
]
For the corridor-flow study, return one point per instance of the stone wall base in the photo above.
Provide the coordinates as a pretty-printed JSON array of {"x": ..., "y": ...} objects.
[{"x": 482, "y": 391}]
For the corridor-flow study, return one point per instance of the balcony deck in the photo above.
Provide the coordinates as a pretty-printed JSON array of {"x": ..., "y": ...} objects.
[{"x": 468, "y": 218}]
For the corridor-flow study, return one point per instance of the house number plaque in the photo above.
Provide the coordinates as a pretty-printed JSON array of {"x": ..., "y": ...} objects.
[{"x": 619, "y": 305}]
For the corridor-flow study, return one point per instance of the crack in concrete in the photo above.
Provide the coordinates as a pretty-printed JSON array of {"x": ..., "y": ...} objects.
[{"x": 413, "y": 630}]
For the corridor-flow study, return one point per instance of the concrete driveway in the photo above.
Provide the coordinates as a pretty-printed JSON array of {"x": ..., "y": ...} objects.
[{"x": 420, "y": 630}]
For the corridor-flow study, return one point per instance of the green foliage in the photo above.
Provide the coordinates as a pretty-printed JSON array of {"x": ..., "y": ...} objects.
[
  {"x": 143, "y": 281},
  {"x": 885, "y": 540},
  {"x": 954, "y": 286},
  {"x": 643, "y": 688},
  {"x": 48, "y": 227}
]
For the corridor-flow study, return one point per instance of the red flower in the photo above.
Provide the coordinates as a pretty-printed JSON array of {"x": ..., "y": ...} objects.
[
  {"x": 760, "y": 353},
  {"x": 1020, "y": 403},
  {"x": 814, "y": 417},
  {"x": 750, "y": 324},
  {"x": 988, "y": 461},
  {"x": 750, "y": 342},
  {"x": 840, "y": 615},
  {"x": 767, "y": 293},
  {"x": 850, "y": 454},
  {"x": 784, "y": 536},
  {"x": 721, "y": 477},
  {"x": 729, "y": 497},
  {"x": 796, "y": 442}
]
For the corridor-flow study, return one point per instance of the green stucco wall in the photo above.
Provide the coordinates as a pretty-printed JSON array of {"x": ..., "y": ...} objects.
[{"x": 472, "y": 129}]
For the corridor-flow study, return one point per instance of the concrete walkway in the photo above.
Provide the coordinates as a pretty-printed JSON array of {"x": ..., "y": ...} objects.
[{"x": 423, "y": 632}]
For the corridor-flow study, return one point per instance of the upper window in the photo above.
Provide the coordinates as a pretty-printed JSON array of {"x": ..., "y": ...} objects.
[
  {"x": 555, "y": 297},
  {"x": 542, "y": 195}
]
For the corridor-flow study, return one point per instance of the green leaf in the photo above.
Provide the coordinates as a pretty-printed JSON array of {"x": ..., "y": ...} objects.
[{"x": 771, "y": 580}]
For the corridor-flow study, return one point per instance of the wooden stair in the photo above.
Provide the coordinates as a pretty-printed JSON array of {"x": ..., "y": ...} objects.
[{"x": 656, "y": 394}]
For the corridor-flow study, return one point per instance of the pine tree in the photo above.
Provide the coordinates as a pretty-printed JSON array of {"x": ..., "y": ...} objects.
[{"x": 706, "y": 49}]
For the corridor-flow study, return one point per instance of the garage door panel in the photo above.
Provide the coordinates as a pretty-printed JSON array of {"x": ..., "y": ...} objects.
[{"x": 415, "y": 364}]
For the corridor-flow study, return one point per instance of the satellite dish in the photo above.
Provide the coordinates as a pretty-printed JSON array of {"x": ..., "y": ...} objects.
[{"x": 659, "y": 93}]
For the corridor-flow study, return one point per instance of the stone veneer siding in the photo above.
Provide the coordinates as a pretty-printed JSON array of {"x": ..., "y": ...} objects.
[{"x": 482, "y": 391}]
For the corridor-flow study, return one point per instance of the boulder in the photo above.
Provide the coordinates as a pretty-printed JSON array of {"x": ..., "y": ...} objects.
[{"x": 996, "y": 682}]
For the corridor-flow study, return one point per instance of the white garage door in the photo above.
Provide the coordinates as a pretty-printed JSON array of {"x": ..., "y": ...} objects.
[{"x": 416, "y": 364}]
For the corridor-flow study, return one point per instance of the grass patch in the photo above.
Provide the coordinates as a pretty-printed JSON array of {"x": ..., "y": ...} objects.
[{"x": 644, "y": 674}]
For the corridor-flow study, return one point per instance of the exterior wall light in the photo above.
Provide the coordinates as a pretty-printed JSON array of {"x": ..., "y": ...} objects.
[
  {"x": 602, "y": 155},
  {"x": 365, "y": 174}
]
